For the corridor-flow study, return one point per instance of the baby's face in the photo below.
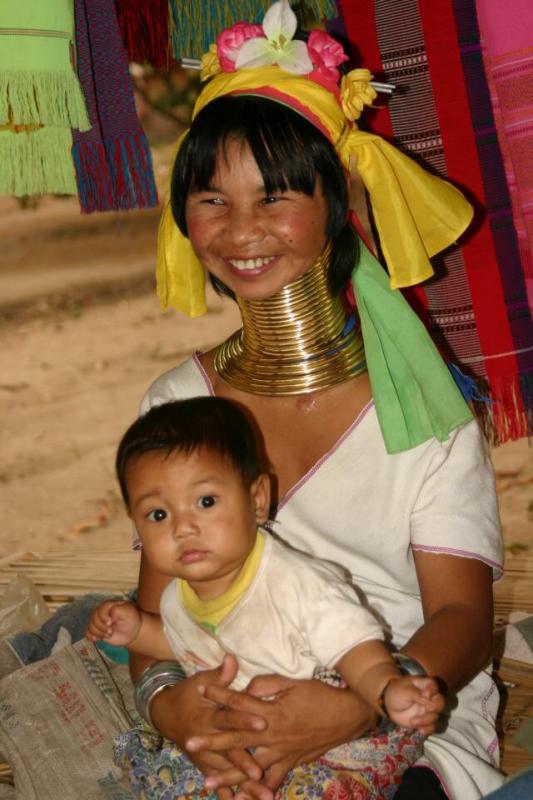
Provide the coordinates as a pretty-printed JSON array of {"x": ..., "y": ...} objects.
[{"x": 196, "y": 518}]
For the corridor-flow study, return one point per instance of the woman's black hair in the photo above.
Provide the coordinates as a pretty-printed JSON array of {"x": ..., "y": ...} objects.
[
  {"x": 211, "y": 423},
  {"x": 291, "y": 153}
]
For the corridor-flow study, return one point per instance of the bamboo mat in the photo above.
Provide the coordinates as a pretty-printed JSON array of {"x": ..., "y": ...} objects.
[
  {"x": 61, "y": 577},
  {"x": 514, "y": 678},
  {"x": 515, "y": 591},
  {"x": 64, "y": 576}
]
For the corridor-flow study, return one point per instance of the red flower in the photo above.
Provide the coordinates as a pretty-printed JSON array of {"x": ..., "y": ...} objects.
[
  {"x": 326, "y": 54},
  {"x": 231, "y": 40}
]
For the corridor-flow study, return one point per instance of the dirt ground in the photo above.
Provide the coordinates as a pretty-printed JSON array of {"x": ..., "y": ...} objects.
[{"x": 81, "y": 338}]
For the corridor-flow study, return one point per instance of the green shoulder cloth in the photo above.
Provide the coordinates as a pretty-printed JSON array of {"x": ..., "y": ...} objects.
[{"x": 415, "y": 395}]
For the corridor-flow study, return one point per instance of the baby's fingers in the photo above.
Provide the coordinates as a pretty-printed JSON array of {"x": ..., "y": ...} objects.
[
  {"x": 97, "y": 630},
  {"x": 425, "y": 722}
]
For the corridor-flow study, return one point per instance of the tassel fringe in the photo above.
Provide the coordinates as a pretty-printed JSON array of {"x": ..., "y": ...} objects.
[
  {"x": 37, "y": 163},
  {"x": 42, "y": 98},
  {"x": 115, "y": 176},
  {"x": 507, "y": 412},
  {"x": 144, "y": 30},
  {"x": 195, "y": 24}
]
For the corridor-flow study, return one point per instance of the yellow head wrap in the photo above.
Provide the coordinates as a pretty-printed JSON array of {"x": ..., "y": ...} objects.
[{"x": 416, "y": 214}]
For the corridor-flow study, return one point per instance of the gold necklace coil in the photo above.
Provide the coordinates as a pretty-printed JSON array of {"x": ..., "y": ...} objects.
[{"x": 295, "y": 342}]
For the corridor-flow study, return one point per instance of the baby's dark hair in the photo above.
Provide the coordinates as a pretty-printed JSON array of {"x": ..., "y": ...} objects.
[{"x": 184, "y": 426}]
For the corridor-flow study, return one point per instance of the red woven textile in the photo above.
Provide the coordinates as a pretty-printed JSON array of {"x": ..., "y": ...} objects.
[
  {"x": 507, "y": 47},
  {"x": 476, "y": 308},
  {"x": 144, "y": 31}
]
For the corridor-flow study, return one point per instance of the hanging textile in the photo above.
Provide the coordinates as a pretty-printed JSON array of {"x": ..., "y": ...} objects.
[
  {"x": 40, "y": 98},
  {"x": 144, "y": 29},
  {"x": 476, "y": 308},
  {"x": 113, "y": 161},
  {"x": 195, "y": 24},
  {"x": 507, "y": 48}
]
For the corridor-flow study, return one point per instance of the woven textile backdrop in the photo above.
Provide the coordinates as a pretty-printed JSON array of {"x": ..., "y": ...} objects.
[{"x": 476, "y": 307}]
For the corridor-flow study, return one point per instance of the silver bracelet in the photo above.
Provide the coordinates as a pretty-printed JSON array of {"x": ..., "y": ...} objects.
[
  {"x": 154, "y": 679},
  {"x": 408, "y": 665}
]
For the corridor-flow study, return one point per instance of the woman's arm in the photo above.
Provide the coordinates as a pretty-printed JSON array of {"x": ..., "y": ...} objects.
[{"x": 455, "y": 642}]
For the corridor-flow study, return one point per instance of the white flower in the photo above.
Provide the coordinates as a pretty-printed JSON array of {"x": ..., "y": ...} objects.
[{"x": 279, "y": 26}]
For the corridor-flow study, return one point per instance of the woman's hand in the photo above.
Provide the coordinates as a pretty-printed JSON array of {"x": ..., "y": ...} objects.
[
  {"x": 181, "y": 713},
  {"x": 295, "y": 733}
]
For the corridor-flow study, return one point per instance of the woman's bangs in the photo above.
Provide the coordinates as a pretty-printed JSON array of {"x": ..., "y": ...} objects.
[{"x": 285, "y": 161}]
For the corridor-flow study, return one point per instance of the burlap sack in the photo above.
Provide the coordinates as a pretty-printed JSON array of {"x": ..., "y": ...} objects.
[{"x": 58, "y": 718}]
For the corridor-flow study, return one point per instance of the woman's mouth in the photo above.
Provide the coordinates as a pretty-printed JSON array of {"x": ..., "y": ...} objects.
[{"x": 248, "y": 264}]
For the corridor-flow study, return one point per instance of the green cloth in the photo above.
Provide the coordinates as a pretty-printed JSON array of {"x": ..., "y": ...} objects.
[
  {"x": 415, "y": 395},
  {"x": 40, "y": 97}
]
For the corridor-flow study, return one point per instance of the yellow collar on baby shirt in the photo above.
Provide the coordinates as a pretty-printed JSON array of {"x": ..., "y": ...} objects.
[{"x": 210, "y": 613}]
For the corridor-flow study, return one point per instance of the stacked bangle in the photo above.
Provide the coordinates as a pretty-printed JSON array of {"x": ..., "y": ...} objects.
[{"x": 154, "y": 679}]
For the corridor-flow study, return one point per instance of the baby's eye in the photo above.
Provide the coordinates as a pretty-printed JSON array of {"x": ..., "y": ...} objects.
[
  {"x": 157, "y": 515},
  {"x": 207, "y": 501}
]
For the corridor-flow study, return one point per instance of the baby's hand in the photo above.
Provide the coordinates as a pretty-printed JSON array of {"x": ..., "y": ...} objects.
[
  {"x": 414, "y": 702},
  {"x": 116, "y": 621}
]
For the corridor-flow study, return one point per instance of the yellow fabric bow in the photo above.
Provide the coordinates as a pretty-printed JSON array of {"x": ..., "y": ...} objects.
[{"x": 416, "y": 213}]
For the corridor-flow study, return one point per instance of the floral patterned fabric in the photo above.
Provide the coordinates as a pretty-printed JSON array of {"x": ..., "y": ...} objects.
[
  {"x": 365, "y": 769},
  {"x": 369, "y": 768}
]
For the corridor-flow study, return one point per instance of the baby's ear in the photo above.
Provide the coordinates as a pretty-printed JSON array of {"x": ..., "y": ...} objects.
[{"x": 260, "y": 494}]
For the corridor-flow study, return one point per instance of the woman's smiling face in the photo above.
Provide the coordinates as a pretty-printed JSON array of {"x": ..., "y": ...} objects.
[{"x": 256, "y": 243}]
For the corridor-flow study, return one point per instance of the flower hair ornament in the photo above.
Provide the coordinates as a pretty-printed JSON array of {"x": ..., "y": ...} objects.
[{"x": 416, "y": 214}]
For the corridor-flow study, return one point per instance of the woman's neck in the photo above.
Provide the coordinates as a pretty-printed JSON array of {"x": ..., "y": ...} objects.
[{"x": 296, "y": 342}]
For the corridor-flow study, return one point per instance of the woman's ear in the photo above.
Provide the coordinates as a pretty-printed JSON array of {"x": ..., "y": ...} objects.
[{"x": 260, "y": 495}]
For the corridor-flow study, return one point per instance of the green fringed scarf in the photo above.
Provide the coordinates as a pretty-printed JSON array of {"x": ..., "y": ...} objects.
[
  {"x": 195, "y": 24},
  {"x": 415, "y": 395},
  {"x": 40, "y": 97}
]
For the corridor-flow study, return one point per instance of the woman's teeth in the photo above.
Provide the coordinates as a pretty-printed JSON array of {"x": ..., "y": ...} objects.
[{"x": 250, "y": 263}]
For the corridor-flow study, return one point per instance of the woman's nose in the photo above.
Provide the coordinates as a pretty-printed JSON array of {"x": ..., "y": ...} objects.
[{"x": 245, "y": 225}]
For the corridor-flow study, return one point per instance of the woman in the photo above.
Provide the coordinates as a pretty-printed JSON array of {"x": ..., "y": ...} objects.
[{"x": 382, "y": 471}]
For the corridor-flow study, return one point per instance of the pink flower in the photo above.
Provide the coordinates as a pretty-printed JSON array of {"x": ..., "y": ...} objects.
[
  {"x": 326, "y": 54},
  {"x": 231, "y": 40}
]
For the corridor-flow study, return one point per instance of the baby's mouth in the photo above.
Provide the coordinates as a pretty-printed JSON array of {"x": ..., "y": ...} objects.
[{"x": 190, "y": 556}]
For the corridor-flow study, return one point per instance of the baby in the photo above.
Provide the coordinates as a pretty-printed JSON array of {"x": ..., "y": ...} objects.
[{"x": 196, "y": 489}]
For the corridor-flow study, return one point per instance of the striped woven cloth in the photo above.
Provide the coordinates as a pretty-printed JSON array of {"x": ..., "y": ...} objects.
[
  {"x": 476, "y": 307},
  {"x": 112, "y": 160}
]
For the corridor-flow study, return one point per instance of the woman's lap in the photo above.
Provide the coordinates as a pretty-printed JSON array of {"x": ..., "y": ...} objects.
[{"x": 366, "y": 769}]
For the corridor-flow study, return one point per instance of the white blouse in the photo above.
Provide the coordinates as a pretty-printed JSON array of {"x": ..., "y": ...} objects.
[{"x": 367, "y": 511}]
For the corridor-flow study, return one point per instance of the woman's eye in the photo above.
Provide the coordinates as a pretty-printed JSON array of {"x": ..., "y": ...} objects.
[
  {"x": 207, "y": 501},
  {"x": 213, "y": 201},
  {"x": 270, "y": 199},
  {"x": 157, "y": 515}
]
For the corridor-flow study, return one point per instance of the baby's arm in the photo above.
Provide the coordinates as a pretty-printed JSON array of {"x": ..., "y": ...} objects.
[
  {"x": 120, "y": 622},
  {"x": 370, "y": 670}
]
